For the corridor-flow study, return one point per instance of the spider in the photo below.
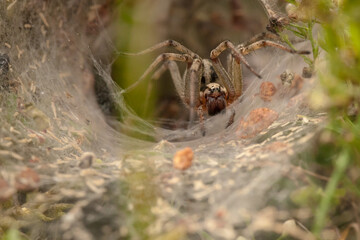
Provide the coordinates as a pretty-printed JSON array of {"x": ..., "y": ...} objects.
[{"x": 206, "y": 87}]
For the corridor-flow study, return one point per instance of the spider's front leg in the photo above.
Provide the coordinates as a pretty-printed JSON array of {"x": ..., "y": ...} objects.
[
  {"x": 200, "y": 112},
  {"x": 221, "y": 72},
  {"x": 161, "y": 58},
  {"x": 236, "y": 53},
  {"x": 192, "y": 87},
  {"x": 245, "y": 50},
  {"x": 168, "y": 43},
  {"x": 178, "y": 81}
]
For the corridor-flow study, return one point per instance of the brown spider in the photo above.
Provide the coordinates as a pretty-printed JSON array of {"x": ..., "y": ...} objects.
[{"x": 205, "y": 85}]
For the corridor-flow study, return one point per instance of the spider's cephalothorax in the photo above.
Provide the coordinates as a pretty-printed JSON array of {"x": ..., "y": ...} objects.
[
  {"x": 214, "y": 98},
  {"x": 209, "y": 75}
]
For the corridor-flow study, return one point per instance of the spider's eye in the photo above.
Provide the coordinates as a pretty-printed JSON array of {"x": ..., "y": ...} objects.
[{"x": 207, "y": 91}]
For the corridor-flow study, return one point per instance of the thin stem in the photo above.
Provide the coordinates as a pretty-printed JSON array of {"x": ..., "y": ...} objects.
[{"x": 340, "y": 166}]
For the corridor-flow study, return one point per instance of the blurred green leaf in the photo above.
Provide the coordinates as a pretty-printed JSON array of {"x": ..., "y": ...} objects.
[
  {"x": 12, "y": 234},
  {"x": 308, "y": 196},
  {"x": 331, "y": 190},
  {"x": 294, "y": 2}
]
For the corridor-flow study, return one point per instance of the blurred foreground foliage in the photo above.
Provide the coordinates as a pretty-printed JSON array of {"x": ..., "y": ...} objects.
[
  {"x": 337, "y": 153},
  {"x": 12, "y": 234}
]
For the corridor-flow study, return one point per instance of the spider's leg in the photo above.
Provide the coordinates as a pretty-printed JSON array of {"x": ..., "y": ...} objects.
[
  {"x": 233, "y": 83},
  {"x": 237, "y": 55},
  {"x": 258, "y": 37},
  {"x": 187, "y": 87},
  {"x": 178, "y": 81},
  {"x": 175, "y": 76},
  {"x": 158, "y": 60},
  {"x": 235, "y": 72},
  {"x": 229, "y": 60},
  {"x": 168, "y": 43},
  {"x": 192, "y": 87},
  {"x": 231, "y": 119},
  {"x": 224, "y": 78},
  {"x": 157, "y": 74},
  {"x": 266, "y": 43},
  {"x": 220, "y": 70},
  {"x": 200, "y": 113},
  {"x": 236, "y": 76}
]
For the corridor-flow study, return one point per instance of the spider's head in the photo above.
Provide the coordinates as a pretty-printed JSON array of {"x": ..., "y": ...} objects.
[{"x": 215, "y": 97}]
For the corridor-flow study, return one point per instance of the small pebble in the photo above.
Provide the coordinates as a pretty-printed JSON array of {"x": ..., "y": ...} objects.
[{"x": 183, "y": 159}]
